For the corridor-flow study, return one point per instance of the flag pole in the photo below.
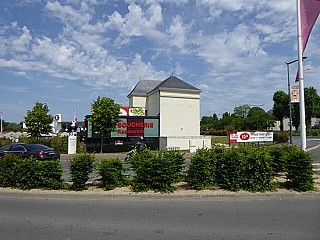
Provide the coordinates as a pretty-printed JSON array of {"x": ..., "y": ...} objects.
[{"x": 301, "y": 82}]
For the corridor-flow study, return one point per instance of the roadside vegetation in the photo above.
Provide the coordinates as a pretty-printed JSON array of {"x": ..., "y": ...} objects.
[{"x": 253, "y": 169}]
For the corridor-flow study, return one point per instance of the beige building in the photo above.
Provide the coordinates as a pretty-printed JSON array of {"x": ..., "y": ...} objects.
[{"x": 178, "y": 105}]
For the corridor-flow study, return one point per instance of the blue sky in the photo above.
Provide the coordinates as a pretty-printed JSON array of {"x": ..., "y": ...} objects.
[{"x": 67, "y": 53}]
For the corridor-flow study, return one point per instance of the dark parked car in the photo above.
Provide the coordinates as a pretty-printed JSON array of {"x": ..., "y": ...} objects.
[{"x": 38, "y": 151}]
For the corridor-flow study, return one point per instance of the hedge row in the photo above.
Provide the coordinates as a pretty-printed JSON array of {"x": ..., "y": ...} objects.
[
  {"x": 251, "y": 169},
  {"x": 30, "y": 173}
]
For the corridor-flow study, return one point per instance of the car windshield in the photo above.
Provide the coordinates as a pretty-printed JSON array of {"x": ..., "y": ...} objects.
[
  {"x": 39, "y": 147},
  {"x": 4, "y": 148}
]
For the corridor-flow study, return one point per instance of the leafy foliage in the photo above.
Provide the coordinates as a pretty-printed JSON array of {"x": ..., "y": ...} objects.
[
  {"x": 299, "y": 170},
  {"x": 105, "y": 116},
  {"x": 81, "y": 166},
  {"x": 156, "y": 170},
  {"x": 111, "y": 172},
  {"x": 38, "y": 120},
  {"x": 30, "y": 173},
  {"x": 202, "y": 170}
]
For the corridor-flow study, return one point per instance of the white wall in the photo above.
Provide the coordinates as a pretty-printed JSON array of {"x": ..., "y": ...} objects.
[
  {"x": 185, "y": 143},
  {"x": 153, "y": 104},
  {"x": 137, "y": 101},
  {"x": 179, "y": 114}
]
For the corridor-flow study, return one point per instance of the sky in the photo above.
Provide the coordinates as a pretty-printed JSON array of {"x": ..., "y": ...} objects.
[{"x": 66, "y": 53}]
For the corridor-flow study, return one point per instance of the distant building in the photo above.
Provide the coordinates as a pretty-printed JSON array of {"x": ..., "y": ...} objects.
[
  {"x": 165, "y": 113},
  {"x": 178, "y": 105}
]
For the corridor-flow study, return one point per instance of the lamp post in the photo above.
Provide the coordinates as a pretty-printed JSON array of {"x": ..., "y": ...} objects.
[
  {"x": 290, "y": 111},
  {"x": 1, "y": 113},
  {"x": 74, "y": 114}
]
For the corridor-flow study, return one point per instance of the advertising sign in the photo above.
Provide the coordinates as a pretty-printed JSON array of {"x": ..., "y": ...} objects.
[
  {"x": 136, "y": 127},
  {"x": 132, "y": 111},
  {"x": 294, "y": 93},
  {"x": 255, "y": 137},
  {"x": 233, "y": 137},
  {"x": 250, "y": 137}
]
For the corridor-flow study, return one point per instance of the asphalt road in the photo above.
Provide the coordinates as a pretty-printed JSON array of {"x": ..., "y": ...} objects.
[{"x": 34, "y": 217}]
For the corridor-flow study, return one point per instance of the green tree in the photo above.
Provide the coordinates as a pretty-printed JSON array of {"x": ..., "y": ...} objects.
[
  {"x": 258, "y": 119},
  {"x": 280, "y": 106},
  {"x": 14, "y": 127},
  {"x": 312, "y": 104},
  {"x": 38, "y": 120},
  {"x": 241, "y": 111},
  {"x": 105, "y": 116},
  {"x": 312, "y": 108}
]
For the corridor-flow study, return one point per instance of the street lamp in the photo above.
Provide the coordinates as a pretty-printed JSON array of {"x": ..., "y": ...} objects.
[
  {"x": 74, "y": 114},
  {"x": 1, "y": 113},
  {"x": 290, "y": 112}
]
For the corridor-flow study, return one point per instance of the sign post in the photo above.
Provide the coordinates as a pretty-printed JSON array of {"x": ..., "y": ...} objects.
[{"x": 72, "y": 143}]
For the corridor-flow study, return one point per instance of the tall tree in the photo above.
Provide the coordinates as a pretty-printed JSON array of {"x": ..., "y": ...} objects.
[
  {"x": 241, "y": 111},
  {"x": 38, "y": 120},
  {"x": 280, "y": 106},
  {"x": 312, "y": 104},
  {"x": 258, "y": 119},
  {"x": 105, "y": 116}
]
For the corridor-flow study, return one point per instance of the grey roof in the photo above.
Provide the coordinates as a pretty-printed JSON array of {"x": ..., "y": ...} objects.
[
  {"x": 144, "y": 87},
  {"x": 174, "y": 82}
]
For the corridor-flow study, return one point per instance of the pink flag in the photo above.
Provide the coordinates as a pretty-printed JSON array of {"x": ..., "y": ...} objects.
[{"x": 310, "y": 10}]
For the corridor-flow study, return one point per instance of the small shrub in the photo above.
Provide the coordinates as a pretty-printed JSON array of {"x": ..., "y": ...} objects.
[
  {"x": 280, "y": 137},
  {"x": 156, "y": 170},
  {"x": 7, "y": 166},
  {"x": 202, "y": 170},
  {"x": 81, "y": 166},
  {"x": 299, "y": 171},
  {"x": 50, "y": 174},
  {"x": 26, "y": 174},
  {"x": 230, "y": 169},
  {"x": 257, "y": 170},
  {"x": 111, "y": 172},
  {"x": 279, "y": 156}
]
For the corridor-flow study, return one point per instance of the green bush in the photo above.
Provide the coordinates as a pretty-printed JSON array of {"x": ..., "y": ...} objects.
[
  {"x": 230, "y": 169},
  {"x": 279, "y": 156},
  {"x": 111, "y": 172},
  {"x": 280, "y": 137},
  {"x": 30, "y": 173},
  {"x": 7, "y": 166},
  {"x": 81, "y": 166},
  {"x": 299, "y": 170},
  {"x": 60, "y": 143},
  {"x": 156, "y": 170},
  {"x": 202, "y": 170},
  {"x": 258, "y": 170},
  {"x": 50, "y": 174}
]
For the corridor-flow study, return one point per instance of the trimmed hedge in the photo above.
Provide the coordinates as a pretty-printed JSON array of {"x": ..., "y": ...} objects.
[
  {"x": 250, "y": 169},
  {"x": 156, "y": 170},
  {"x": 80, "y": 166},
  {"x": 30, "y": 173},
  {"x": 299, "y": 171},
  {"x": 202, "y": 170},
  {"x": 112, "y": 173}
]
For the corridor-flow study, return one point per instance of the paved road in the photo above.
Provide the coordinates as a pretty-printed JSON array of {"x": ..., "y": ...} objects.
[{"x": 33, "y": 217}]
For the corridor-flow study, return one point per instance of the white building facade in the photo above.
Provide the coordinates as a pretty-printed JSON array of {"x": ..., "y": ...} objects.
[{"x": 177, "y": 103}]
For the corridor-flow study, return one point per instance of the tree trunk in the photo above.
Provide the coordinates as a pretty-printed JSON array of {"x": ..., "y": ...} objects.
[{"x": 101, "y": 145}]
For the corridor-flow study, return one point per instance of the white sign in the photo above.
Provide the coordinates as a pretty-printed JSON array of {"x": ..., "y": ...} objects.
[
  {"x": 294, "y": 93},
  {"x": 72, "y": 144},
  {"x": 254, "y": 136},
  {"x": 57, "y": 117}
]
